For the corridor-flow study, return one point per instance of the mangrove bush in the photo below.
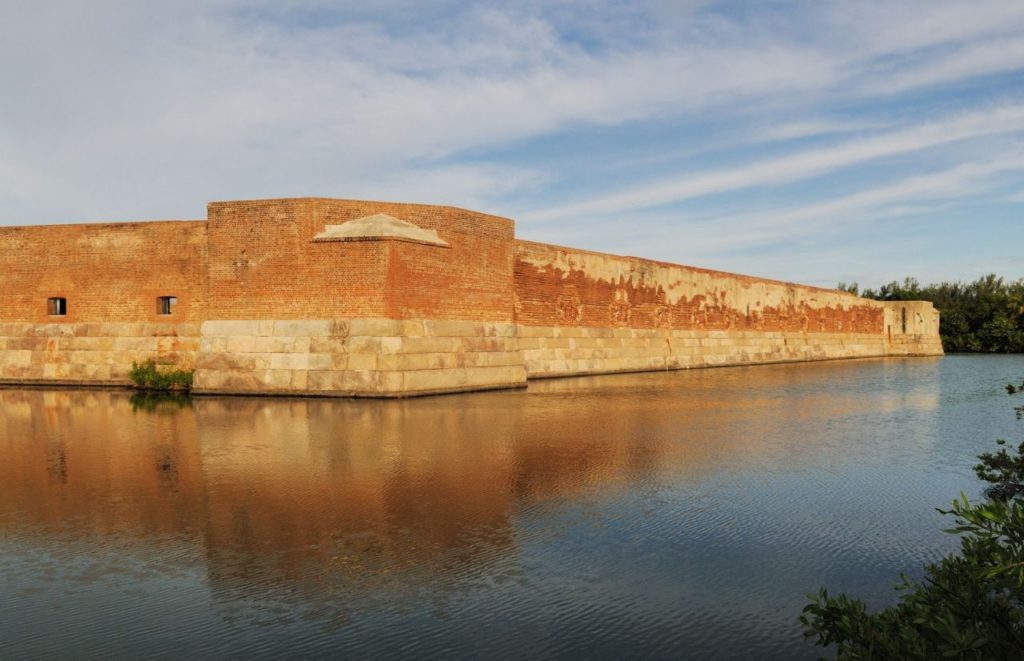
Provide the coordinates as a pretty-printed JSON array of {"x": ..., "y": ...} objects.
[
  {"x": 147, "y": 376},
  {"x": 969, "y": 605}
]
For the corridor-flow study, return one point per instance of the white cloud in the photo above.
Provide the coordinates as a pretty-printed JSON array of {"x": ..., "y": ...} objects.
[
  {"x": 996, "y": 56},
  {"x": 821, "y": 226},
  {"x": 812, "y": 127},
  {"x": 886, "y": 28},
  {"x": 135, "y": 109},
  {"x": 797, "y": 166},
  {"x": 891, "y": 199}
]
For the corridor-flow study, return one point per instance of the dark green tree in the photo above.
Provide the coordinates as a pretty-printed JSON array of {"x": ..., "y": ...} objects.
[{"x": 986, "y": 315}]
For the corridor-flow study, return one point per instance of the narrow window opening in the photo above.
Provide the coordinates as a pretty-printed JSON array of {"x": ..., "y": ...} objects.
[
  {"x": 165, "y": 304},
  {"x": 57, "y": 307},
  {"x": 903, "y": 315}
]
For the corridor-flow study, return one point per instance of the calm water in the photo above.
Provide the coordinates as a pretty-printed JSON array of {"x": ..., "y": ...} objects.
[{"x": 664, "y": 515}]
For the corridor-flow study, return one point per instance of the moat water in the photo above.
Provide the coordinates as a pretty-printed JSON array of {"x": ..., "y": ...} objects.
[{"x": 680, "y": 515}]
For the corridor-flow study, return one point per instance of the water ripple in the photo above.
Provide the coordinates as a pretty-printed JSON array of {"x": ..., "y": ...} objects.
[{"x": 657, "y": 515}]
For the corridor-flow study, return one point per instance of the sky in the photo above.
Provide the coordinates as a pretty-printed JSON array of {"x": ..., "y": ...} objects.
[{"x": 810, "y": 141}]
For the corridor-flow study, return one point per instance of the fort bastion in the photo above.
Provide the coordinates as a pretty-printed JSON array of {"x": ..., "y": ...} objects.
[{"x": 318, "y": 296}]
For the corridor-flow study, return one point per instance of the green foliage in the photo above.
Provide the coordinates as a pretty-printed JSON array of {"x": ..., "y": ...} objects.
[
  {"x": 986, "y": 315},
  {"x": 147, "y": 376},
  {"x": 969, "y": 605},
  {"x": 1005, "y": 472},
  {"x": 850, "y": 288}
]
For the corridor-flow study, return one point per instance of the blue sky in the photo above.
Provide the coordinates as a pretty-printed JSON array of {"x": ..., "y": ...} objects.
[{"x": 809, "y": 141}]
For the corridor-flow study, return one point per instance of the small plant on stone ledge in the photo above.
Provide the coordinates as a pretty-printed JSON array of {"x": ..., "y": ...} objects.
[{"x": 146, "y": 376}]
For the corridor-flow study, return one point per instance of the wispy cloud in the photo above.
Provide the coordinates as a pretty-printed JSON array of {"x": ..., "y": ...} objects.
[
  {"x": 551, "y": 112},
  {"x": 801, "y": 165},
  {"x": 884, "y": 202},
  {"x": 996, "y": 56}
]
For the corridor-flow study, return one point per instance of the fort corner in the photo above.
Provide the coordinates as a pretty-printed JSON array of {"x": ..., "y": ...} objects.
[{"x": 316, "y": 296}]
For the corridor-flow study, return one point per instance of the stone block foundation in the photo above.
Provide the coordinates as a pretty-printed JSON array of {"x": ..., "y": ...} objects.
[
  {"x": 91, "y": 353},
  {"x": 357, "y": 357},
  {"x": 554, "y": 351}
]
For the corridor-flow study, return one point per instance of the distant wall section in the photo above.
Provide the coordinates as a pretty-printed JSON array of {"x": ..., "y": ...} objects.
[
  {"x": 581, "y": 312},
  {"x": 912, "y": 328}
]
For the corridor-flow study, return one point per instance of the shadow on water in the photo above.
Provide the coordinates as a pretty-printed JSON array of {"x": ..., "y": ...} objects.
[
  {"x": 606, "y": 516},
  {"x": 151, "y": 401}
]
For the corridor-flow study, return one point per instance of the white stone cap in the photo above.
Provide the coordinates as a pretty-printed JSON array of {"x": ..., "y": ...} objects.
[{"x": 378, "y": 227}]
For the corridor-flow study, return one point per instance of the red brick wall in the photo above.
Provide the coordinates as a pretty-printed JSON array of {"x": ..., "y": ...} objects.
[
  {"x": 265, "y": 265},
  {"x": 107, "y": 272},
  {"x": 258, "y": 260},
  {"x": 557, "y": 286},
  {"x": 471, "y": 280}
]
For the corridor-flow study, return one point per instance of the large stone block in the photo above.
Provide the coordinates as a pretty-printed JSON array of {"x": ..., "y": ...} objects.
[
  {"x": 226, "y": 328},
  {"x": 333, "y": 344},
  {"x": 361, "y": 381},
  {"x": 402, "y": 362},
  {"x": 449, "y": 328},
  {"x": 431, "y": 344},
  {"x": 434, "y": 380},
  {"x": 320, "y": 361},
  {"x": 375, "y": 327},
  {"x": 493, "y": 376},
  {"x": 364, "y": 344},
  {"x": 289, "y": 361},
  {"x": 362, "y": 361},
  {"x": 308, "y": 328}
]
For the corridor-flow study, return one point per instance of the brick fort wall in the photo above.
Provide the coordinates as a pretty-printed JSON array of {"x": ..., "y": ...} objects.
[
  {"x": 110, "y": 276},
  {"x": 286, "y": 297}
]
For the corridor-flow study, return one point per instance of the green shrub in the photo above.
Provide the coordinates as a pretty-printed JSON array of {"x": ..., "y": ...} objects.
[{"x": 147, "y": 376}]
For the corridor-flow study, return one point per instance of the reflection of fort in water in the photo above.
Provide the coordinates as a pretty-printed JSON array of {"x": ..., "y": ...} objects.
[{"x": 295, "y": 492}]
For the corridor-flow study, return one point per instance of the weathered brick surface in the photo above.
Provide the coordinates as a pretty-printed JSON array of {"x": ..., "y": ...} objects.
[
  {"x": 264, "y": 263},
  {"x": 263, "y": 307},
  {"x": 581, "y": 312},
  {"x": 558, "y": 286},
  {"x": 108, "y": 272}
]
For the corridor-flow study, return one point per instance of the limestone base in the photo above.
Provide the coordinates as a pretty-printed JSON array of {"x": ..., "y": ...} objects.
[
  {"x": 90, "y": 353},
  {"x": 400, "y": 358},
  {"x": 357, "y": 357},
  {"x": 570, "y": 351}
]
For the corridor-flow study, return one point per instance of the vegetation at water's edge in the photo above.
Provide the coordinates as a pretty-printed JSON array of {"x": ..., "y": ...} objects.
[
  {"x": 986, "y": 315},
  {"x": 147, "y": 376},
  {"x": 969, "y": 605}
]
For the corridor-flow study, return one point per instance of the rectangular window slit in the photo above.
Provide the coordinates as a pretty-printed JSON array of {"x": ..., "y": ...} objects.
[
  {"x": 57, "y": 307},
  {"x": 165, "y": 304}
]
